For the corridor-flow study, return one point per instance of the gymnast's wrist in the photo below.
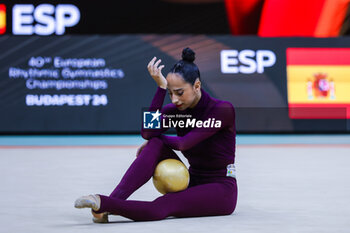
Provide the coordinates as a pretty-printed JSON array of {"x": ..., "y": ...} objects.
[{"x": 163, "y": 86}]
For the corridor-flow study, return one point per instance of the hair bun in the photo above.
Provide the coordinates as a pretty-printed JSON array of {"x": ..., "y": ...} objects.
[{"x": 188, "y": 55}]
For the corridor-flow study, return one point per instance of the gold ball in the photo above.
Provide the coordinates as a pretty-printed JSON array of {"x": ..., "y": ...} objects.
[{"x": 170, "y": 175}]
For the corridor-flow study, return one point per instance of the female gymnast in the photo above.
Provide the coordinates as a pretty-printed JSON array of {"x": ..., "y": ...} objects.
[{"x": 210, "y": 152}]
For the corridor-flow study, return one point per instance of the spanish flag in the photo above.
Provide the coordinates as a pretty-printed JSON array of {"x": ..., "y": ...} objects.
[{"x": 318, "y": 83}]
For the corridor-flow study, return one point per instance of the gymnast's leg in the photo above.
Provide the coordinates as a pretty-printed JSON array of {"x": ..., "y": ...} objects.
[
  {"x": 142, "y": 169},
  {"x": 202, "y": 200}
]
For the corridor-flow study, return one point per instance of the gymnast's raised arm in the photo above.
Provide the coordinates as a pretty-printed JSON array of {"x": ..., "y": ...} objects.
[{"x": 155, "y": 70}]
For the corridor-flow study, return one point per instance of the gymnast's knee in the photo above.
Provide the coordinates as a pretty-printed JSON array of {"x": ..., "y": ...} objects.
[
  {"x": 155, "y": 147},
  {"x": 156, "y": 141}
]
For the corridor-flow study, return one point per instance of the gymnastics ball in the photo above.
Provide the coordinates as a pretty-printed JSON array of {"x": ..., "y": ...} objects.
[{"x": 170, "y": 175}]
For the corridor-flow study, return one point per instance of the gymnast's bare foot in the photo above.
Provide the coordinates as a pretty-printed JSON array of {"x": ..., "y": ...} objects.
[{"x": 99, "y": 218}]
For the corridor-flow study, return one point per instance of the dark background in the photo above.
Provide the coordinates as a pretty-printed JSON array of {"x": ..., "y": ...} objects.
[
  {"x": 128, "y": 34},
  {"x": 149, "y": 16}
]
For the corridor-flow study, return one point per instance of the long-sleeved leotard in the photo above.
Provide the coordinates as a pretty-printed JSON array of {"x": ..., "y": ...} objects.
[
  {"x": 205, "y": 148},
  {"x": 209, "y": 151}
]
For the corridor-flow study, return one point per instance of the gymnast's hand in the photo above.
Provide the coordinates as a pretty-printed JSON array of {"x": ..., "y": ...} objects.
[
  {"x": 141, "y": 148},
  {"x": 156, "y": 72}
]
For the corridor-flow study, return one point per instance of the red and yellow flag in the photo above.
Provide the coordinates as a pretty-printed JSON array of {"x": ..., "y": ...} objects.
[
  {"x": 2, "y": 19},
  {"x": 318, "y": 83}
]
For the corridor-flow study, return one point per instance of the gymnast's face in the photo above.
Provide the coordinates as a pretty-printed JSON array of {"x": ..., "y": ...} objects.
[{"x": 183, "y": 94}]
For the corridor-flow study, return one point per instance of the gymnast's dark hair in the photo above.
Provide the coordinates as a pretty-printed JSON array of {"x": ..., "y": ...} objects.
[{"x": 185, "y": 67}]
